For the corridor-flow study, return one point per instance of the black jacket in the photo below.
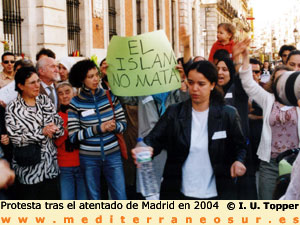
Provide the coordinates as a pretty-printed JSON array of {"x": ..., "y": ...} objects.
[
  {"x": 173, "y": 133},
  {"x": 7, "y": 149}
]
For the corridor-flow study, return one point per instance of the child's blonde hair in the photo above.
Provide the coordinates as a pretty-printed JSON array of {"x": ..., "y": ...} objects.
[{"x": 229, "y": 28}]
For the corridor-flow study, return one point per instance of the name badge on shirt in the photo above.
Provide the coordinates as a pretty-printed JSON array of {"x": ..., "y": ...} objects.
[
  {"x": 219, "y": 135},
  {"x": 88, "y": 112},
  {"x": 286, "y": 108},
  {"x": 228, "y": 95},
  {"x": 147, "y": 99}
]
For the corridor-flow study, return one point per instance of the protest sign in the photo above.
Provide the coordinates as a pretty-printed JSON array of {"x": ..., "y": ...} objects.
[
  {"x": 142, "y": 65},
  {"x": 8, "y": 93}
]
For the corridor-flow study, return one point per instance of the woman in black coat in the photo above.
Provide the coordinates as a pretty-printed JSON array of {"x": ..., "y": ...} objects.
[
  {"x": 236, "y": 96},
  {"x": 223, "y": 145}
]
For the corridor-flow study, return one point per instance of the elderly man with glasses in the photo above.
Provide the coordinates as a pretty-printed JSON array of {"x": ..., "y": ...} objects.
[{"x": 7, "y": 75}]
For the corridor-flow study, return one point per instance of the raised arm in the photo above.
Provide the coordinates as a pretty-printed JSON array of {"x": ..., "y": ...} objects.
[
  {"x": 185, "y": 41},
  {"x": 253, "y": 89}
]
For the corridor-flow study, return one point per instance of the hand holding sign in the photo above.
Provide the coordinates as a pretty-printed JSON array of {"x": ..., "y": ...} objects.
[{"x": 141, "y": 65}]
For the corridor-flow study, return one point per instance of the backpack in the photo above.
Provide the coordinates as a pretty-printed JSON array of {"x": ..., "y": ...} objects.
[{"x": 285, "y": 162}]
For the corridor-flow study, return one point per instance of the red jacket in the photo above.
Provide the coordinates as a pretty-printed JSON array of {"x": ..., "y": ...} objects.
[
  {"x": 217, "y": 45},
  {"x": 66, "y": 159}
]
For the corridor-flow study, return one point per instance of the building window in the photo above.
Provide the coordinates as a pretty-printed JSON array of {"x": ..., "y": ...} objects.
[
  {"x": 138, "y": 17},
  {"x": 12, "y": 26},
  {"x": 112, "y": 18},
  {"x": 157, "y": 14},
  {"x": 73, "y": 27}
]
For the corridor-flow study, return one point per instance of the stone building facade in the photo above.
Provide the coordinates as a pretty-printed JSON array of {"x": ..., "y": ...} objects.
[{"x": 84, "y": 27}]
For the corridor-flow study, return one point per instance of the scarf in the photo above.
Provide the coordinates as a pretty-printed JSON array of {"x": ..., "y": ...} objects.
[{"x": 161, "y": 100}]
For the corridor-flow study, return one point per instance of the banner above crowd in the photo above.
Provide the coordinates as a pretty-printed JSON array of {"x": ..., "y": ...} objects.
[{"x": 142, "y": 65}]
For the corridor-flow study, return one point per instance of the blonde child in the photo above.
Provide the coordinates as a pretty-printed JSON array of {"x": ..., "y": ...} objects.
[{"x": 225, "y": 41}]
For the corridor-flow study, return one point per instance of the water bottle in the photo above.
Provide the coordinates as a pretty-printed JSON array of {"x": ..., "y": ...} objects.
[
  {"x": 147, "y": 179},
  {"x": 1, "y": 152}
]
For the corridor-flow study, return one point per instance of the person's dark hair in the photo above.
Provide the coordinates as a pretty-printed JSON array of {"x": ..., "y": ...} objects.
[
  {"x": 180, "y": 59},
  {"x": 269, "y": 66},
  {"x": 221, "y": 54},
  {"x": 45, "y": 51},
  {"x": 209, "y": 70},
  {"x": 286, "y": 48},
  {"x": 5, "y": 54},
  {"x": 23, "y": 63},
  {"x": 229, "y": 28},
  {"x": 22, "y": 75},
  {"x": 102, "y": 61},
  {"x": 79, "y": 71},
  {"x": 198, "y": 58},
  {"x": 255, "y": 61},
  {"x": 294, "y": 52},
  {"x": 103, "y": 78}
]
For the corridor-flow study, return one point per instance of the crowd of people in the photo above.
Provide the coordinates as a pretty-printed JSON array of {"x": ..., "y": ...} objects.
[{"x": 210, "y": 139}]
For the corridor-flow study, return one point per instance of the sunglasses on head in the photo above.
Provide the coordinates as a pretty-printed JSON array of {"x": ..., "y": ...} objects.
[
  {"x": 256, "y": 71},
  {"x": 8, "y": 61}
]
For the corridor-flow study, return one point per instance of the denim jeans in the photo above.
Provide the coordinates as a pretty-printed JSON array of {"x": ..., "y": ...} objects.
[
  {"x": 72, "y": 186},
  {"x": 113, "y": 172}
]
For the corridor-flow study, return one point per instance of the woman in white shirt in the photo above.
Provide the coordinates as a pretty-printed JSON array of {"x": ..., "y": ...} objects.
[
  {"x": 281, "y": 124},
  {"x": 204, "y": 141}
]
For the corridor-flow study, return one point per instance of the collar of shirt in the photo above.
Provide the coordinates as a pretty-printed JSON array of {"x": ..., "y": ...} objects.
[
  {"x": 230, "y": 43},
  {"x": 45, "y": 86},
  {"x": 5, "y": 76}
]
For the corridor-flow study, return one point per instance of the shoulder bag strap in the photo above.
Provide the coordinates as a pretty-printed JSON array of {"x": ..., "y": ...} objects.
[{"x": 110, "y": 102}]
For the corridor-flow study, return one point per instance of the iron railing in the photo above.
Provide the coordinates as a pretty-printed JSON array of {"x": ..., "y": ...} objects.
[
  {"x": 73, "y": 27},
  {"x": 157, "y": 14},
  {"x": 12, "y": 26},
  {"x": 112, "y": 18},
  {"x": 138, "y": 17}
]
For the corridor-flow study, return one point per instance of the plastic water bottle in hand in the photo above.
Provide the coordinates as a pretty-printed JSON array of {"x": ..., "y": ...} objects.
[{"x": 147, "y": 179}]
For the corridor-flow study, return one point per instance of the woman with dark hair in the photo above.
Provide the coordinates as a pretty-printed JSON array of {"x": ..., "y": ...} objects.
[
  {"x": 207, "y": 170},
  {"x": 285, "y": 51},
  {"x": 281, "y": 124},
  {"x": 293, "y": 60},
  {"x": 266, "y": 72},
  {"x": 32, "y": 119},
  {"x": 104, "y": 80},
  {"x": 226, "y": 75},
  {"x": 235, "y": 95},
  {"x": 22, "y": 63},
  {"x": 93, "y": 125},
  {"x": 233, "y": 91}
]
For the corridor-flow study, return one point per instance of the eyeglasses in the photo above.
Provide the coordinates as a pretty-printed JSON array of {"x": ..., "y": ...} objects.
[
  {"x": 8, "y": 61},
  {"x": 256, "y": 71},
  {"x": 284, "y": 55}
]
